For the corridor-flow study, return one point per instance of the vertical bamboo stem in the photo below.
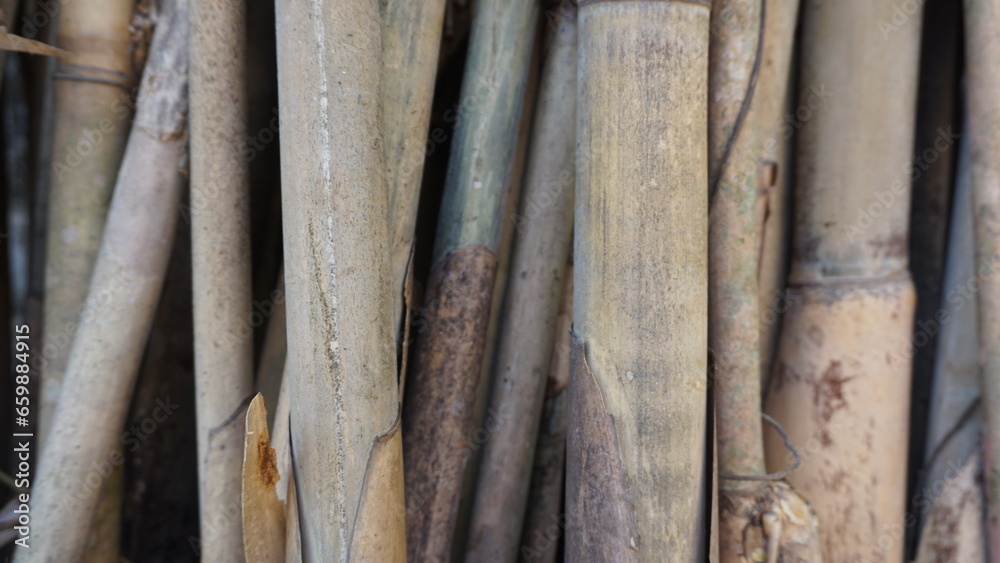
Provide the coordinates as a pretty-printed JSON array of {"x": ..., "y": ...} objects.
[
  {"x": 93, "y": 105},
  {"x": 121, "y": 302},
  {"x": 527, "y": 329},
  {"x": 842, "y": 380},
  {"x": 341, "y": 357},
  {"x": 450, "y": 348},
  {"x": 220, "y": 257},
  {"x": 635, "y": 447},
  {"x": 982, "y": 33}
]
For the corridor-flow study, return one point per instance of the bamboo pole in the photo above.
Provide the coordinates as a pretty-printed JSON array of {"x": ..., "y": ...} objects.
[
  {"x": 528, "y": 324},
  {"x": 123, "y": 292},
  {"x": 635, "y": 449},
  {"x": 773, "y": 97},
  {"x": 450, "y": 348},
  {"x": 842, "y": 382},
  {"x": 345, "y": 435},
  {"x": 93, "y": 100},
  {"x": 411, "y": 39},
  {"x": 950, "y": 496},
  {"x": 220, "y": 256},
  {"x": 982, "y": 18},
  {"x": 544, "y": 516}
]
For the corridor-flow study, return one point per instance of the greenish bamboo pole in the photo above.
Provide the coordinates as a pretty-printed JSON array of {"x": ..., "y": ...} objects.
[
  {"x": 346, "y": 443},
  {"x": 411, "y": 39},
  {"x": 982, "y": 52},
  {"x": 126, "y": 284},
  {"x": 93, "y": 106},
  {"x": 220, "y": 259},
  {"x": 842, "y": 382},
  {"x": 635, "y": 449},
  {"x": 450, "y": 348},
  {"x": 527, "y": 327}
]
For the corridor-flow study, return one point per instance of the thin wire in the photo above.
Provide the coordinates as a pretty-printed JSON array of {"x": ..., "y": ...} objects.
[{"x": 771, "y": 476}]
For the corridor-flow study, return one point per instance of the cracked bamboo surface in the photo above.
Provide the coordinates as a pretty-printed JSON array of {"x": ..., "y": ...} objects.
[
  {"x": 220, "y": 256},
  {"x": 126, "y": 284},
  {"x": 341, "y": 354},
  {"x": 636, "y": 441},
  {"x": 842, "y": 375}
]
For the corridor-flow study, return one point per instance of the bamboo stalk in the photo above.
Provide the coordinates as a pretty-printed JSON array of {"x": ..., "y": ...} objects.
[
  {"x": 341, "y": 358},
  {"x": 635, "y": 450},
  {"x": 982, "y": 82},
  {"x": 93, "y": 105},
  {"x": 411, "y": 39},
  {"x": 220, "y": 255},
  {"x": 122, "y": 299},
  {"x": 773, "y": 105},
  {"x": 528, "y": 323},
  {"x": 842, "y": 382},
  {"x": 271, "y": 364},
  {"x": 449, "y": 355},
  {"x": 544, "y": 517},
  {"x": 950, "y": 490}
]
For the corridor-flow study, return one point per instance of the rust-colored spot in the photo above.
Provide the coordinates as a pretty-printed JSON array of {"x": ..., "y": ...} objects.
[
  {"x": 828, "y": 397},
  {"x": 268, "y": 466}
]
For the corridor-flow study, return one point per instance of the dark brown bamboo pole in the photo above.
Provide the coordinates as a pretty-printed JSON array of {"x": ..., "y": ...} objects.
[
  {"x": 123, "y": 292},
  {"x": 449, "y": 355},
  {"x": 635, "y": 448}
]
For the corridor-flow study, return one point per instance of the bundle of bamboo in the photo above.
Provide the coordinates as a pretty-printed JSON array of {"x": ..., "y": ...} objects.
[{"x": 525, "y": 280}]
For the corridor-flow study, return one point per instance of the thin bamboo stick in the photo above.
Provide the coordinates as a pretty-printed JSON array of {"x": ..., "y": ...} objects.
[
  {"x": 842, "y": 382},
  {"x": 220, "y": 256},
  {"x": 450, "y": 348},
  {"x": 122, "y": 299},
  {"x": 527, "y": 330},
  {"x": 635, "y": 449},
  {"x": 341, "y": 358},
  {"x": 982, "y": 51}
]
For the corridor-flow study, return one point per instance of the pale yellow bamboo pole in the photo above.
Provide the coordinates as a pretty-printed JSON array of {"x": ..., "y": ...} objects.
[
  {"x": 636, "y": 443},
  {"x": 341, "y": 359},
  {"x": 220, "y": 260},
  {"x": 121, "y": 302},
  {"x": 842, "y": 382},
  {"x": 93, "y": 101},
  {"x": 982, "y": 33},
  {"x": 527, "y": 327}
]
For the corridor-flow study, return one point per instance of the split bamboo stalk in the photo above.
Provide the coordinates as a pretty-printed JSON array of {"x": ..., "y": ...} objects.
[
  {"x": 411, "y": 40},
  {"x": 772, "y": 102},
  {"x": 528, "y": 324},
  {"x": 93, "y": 100},
  {"x": 346, "y": 443},
  {"x": 635, "y": 449},
  {"x": 753, "y": 507},
  {"x": 220, "y": 259},
  {"x": 842, "y": 380},
  {"x": 263, "y": 512},
  {"x": 950, "y": 497},
  {"x": 982, "y": 33},
  {"x": 544, "y": 517},
  {"x": 121, "y": 302},
  {"x": 449, "y": 356}
]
